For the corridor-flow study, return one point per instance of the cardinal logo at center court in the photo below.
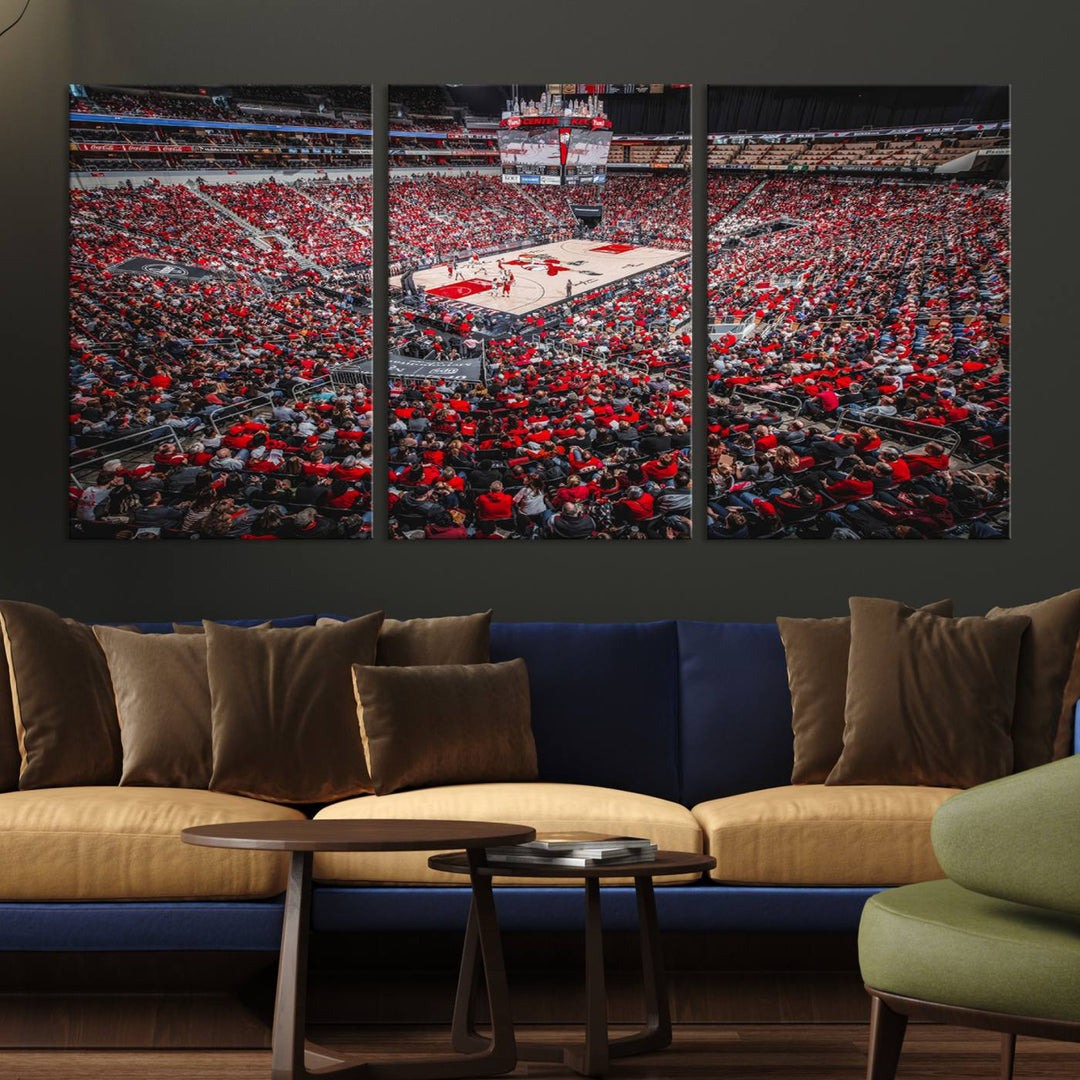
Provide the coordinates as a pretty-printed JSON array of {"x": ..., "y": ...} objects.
[
  {"x": 166, "y": 270},
  {"x": 532, "y": 261}
]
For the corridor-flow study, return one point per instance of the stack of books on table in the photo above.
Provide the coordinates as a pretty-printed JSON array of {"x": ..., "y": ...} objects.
[{"x": 575, "y": 849}]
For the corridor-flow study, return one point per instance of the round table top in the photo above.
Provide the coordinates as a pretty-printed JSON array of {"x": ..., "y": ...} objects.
[
  {"x": 374, "y": 834},
  {"x": 666, "y": 862}
]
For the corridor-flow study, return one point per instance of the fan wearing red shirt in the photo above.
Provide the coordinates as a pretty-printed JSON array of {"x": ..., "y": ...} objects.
[
  {"x": 662, "y": 469},
  {"x": 859, "y": 485},
  {"x": 494, "y": 507},
  {"x": 932, "y": 459},
  {"x": 638, "y": 504}
]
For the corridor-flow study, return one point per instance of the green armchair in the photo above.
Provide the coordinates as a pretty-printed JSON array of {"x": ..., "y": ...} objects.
[{"x": 997, "y": 944}]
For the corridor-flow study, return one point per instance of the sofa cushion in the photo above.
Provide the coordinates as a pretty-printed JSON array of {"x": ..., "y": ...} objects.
[
  {"x": 605, "y": 701},
  {"x": 446, "y": 639},
  {"x": 65, "y": 714},
  {"x": 283, "y": 713},
  {"x": 929, "y": 699},
  {"x": 10, "y": 761},
  {"x": 196, "y": 626},
  {"x": 1046, "y": 659},
  {"x": 1065, "y": 738},
  {"x": 452, "y": 639},
  {"x": 810, "y": 834},
  {"x": 939, "y": 942},
  {"x": 441, "y": 724},
  {"x": 123, "y": 843},
  {"x": 546, "y": 807},
  {"x": 163, "y": 703},
  {"x": 736, "y": 709},
  {"x": 817, "y": 663}
]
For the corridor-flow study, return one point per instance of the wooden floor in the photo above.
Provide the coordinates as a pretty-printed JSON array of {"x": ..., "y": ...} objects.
[{"x": 723, "y": 1052}]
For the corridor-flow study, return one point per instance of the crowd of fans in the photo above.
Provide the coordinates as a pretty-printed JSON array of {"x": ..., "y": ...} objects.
[
  {"x": 582, "y": 427},
  {"x": 313, "y": 218},
  {"x": 205, "y": 408},
  {"x": 859, "y": 362},
  {"x": 329, "y": 106},
  {"x": 435, "y": 216},
  {"x": 440, "y": 215},
  {"x": 186, "y": 106},
  {"x": 265, "y": 128}
]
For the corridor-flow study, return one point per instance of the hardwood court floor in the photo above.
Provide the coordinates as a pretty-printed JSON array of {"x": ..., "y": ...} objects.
[
  {"x": 587, "y": 264},
  {"x": 715, "y": 1052}
]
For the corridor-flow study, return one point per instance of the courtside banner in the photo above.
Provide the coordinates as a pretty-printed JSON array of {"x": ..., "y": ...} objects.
[{"x": 412, "y": 367}]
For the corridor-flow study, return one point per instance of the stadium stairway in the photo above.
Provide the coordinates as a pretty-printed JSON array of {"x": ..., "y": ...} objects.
[
  {"x": 353, "y": 223},
  {"x": 526, "y": 194},
  {"x": 258, "y": 236},
  {"x": 740, "y": 204}
]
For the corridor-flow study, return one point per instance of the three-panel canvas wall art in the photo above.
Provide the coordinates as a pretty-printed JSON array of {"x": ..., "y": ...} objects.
[{"x": 543, "y": 378}]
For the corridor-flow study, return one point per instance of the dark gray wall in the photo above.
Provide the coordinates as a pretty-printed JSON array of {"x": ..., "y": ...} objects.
[{"x": 320, "y": 41}]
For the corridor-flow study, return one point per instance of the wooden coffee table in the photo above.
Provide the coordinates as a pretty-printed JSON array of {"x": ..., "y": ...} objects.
[
  {"x": 591, "y": 1058},
  {"x": 291, "y": 1057}
]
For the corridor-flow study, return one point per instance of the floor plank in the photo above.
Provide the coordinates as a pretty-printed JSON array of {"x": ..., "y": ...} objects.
[{"x": 723, "y": 1052}]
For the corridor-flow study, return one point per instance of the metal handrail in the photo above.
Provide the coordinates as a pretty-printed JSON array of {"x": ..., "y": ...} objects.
[
  {"x": 253, "y": 405},
  {"x": 988, "y": 393},
  {"x": 790, "y": 401},
  {"x": 308, "y": 387},
  {"x": 900, "y": 427},
  {"x": 338, "y": 378},
  {"x": 146, "y": 439}
]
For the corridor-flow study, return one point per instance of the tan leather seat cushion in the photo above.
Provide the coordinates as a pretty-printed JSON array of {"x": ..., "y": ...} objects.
[
  {"x": 546, "y": 807},
  {"x": 123, "y": 843},
  {"x": 810, "y": 834}
]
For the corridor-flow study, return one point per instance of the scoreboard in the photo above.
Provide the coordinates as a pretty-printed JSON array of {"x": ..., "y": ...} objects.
[{"x": 556, "y": 150}]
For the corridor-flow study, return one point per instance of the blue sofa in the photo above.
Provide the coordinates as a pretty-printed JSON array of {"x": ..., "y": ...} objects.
[{"x": 681, "y": 711}]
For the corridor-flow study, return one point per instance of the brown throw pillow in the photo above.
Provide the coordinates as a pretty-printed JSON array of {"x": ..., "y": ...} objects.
[
  {"x": 447, "y": 724},
  {"x": 453, "y": 639},
  {"x": 197, "y": 628},
  {"x": 817, "y": 661},
  {"x": 1064, "y": 741},
  {"x": 929, "y": 699},
  {"x": 283, "y": 713},
  {"x": 9, "y": 739},
  {"x": 163, "y": 703},
  {"x": 1046, "y": 657},
  {"x": 65, "y": 717}
]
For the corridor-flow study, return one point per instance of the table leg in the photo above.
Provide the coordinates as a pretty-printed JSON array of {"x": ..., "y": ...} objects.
[
  {"x": 501, "y": 1055},
  {"x": 485, "y": 1057},
  {"x": 592, "y": 1059},
  {"x": 657, "y": 1031},
  {"x": 287, "y": 1056},
  {"x": 463, "y": 1034},
  {"x": 294, "y": 1059}
]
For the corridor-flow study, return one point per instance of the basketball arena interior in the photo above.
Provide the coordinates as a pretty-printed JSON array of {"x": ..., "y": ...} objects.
[
  {"x": 539, "y": 313},
  {"x": 859, "y": 318},
  {"x": 220, "y": 266},
  {"x": 540, "y": 260}
]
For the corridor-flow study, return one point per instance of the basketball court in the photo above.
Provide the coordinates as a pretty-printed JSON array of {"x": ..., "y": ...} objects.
[{"x": 540, "y": 273}]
